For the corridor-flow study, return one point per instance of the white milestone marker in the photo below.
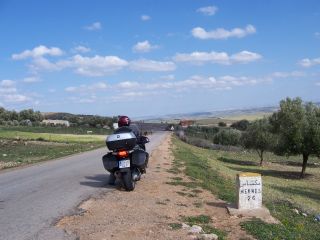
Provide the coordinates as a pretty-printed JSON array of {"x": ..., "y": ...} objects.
[{"x": 249, "y": 190}]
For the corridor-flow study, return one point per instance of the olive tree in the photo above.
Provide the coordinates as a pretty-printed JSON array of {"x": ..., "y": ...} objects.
[
  {"x": 298, "y": 128},
  {"x": 228, "y": 137},
  {"x": 258, "y": 137}
]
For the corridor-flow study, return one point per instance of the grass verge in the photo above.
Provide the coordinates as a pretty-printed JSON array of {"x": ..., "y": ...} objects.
[{"x": 283, "y": 191}]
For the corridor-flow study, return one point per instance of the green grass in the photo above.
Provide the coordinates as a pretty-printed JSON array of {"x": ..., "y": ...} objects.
[
  {"x": 57, "y": 129},
  {"x": 195, "y": 220},
  {"x": 282, "y": 188},
  {"x": 292, "y": 227},
  {"x": 175, "y": 226},
  {"x": 51, "y": 137},
  {"x": 20, "y": 148},
  {"x": 198, "y": 167},
  {"x": 209, "y": 229}
]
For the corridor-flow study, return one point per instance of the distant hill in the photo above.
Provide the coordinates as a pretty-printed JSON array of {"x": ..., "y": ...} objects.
[
  {"x": 228, "y": 113},
  {"x": 81, "y": 119},
  {"x": 63, "y": 115}
]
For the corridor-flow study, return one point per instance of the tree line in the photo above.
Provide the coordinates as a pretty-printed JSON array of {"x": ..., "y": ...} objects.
[
  {"x": 29, "y": 117},
  {"x": 24, "y": 117}
]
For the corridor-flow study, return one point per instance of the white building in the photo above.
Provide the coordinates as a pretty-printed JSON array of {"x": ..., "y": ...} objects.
[{"x": 56, "y": 122}]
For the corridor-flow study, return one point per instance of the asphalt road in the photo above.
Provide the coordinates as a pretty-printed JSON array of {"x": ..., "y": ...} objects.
[{"x": 32, "y": 199}]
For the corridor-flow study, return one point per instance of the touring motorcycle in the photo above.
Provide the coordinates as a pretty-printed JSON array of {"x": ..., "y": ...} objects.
[{"x": 127, "y": 159}]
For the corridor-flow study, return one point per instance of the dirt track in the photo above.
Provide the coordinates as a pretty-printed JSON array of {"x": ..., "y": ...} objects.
[{"x": 147, "y": 212}]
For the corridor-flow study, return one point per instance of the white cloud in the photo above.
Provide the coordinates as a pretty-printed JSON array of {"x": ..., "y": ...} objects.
[
  {"x": 16, "y": 98},
  {"x": 245, "y": 57},
  {"x": 4, "y": 90},
  {"x": 128, "y": 85},
  {"x": 307, "y": 62},
  {"x": 7, "y": 83},
  {"x": 195, "y": 82},
  {"x": 202, "y": 57},
  {"x": 144, "y": 46},
  {"x": 38, "y": 52},
  {"x": 152, "y": 66},
  {"x": 145, "y": 17},
  {"x": 41, "y": 64},
  {"x": 31, "y": 80},
  {"x": 88, "y": 88},
  {"x": 81, "y": 49},
  {"x": 209, "y": 10},
  {"x": 96, "y": 66},
  {"x": 217, "y": 57},
  {"x": 94, "y": 26},
  {"x": 294, "y": 74},
  {"x": 86, "y": 99},
  {"x": 87, "y": 66},
  {"x": 10, "y": 94},
  {"x": 132, "y": 95},
  {"x": 221, "y": 33}
]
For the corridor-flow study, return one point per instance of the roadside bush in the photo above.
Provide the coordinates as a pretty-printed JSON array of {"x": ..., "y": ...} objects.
[
  {"x": 228, "y": 137},
  {"x": 202, "y": 132},
  {"x": 241, "y": 125},
  {"x": 15, "y": 123},
  {"x": 26, "y": 122},
  {"x": 9, "y": 123},
  {"x": 222, "y": 124},
  {"x": 203, "y": 143}
]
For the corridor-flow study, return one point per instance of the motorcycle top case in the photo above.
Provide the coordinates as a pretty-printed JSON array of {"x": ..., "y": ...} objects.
[{"x": 123, "y": 141}]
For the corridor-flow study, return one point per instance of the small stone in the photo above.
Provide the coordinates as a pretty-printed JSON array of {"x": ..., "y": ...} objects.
[
  {"x": 317, "y": 218},
  {"x": 296, "y": 211},
  {"x": 304, "y": 214},
  {"x": 185, "y": 226},
  {"x": 211, "y": 236},
  {"x": 193, "y": 237},
  {"x": 4, "y": 155},
  {"x": 195, "y": 229}
]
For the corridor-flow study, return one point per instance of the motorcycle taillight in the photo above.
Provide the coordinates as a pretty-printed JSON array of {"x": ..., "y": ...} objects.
[{"x": 123, "y": 154}]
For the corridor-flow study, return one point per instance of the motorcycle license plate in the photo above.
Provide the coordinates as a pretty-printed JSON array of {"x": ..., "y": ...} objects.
[{"x": 124, "y": 163}]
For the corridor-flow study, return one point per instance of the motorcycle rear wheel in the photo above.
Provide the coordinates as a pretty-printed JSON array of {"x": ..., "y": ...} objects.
[{"x": 128, "y": 182}]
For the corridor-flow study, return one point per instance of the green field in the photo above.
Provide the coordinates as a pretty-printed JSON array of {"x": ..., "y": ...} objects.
[
  {"x": 57, "y": 129},
  {"x": 282, "y": 188},
  {"x": 24, "y": 147}
]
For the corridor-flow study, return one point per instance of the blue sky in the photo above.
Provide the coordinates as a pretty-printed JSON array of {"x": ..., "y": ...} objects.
[{"x": 143, "y": 58}]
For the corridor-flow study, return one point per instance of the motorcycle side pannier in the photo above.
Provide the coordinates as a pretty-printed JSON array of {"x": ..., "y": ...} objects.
[
  {"x": 139, "y": 158},
  {"x": 123, "y": 141},
  {"x": 110, "y": 162}
]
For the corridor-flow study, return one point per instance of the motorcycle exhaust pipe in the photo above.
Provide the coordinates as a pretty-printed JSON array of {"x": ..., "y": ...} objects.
[{"x": 136, "y": 175}]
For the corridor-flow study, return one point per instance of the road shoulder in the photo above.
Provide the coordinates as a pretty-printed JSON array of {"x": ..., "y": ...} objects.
[{"x": 150, "y": 211}]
